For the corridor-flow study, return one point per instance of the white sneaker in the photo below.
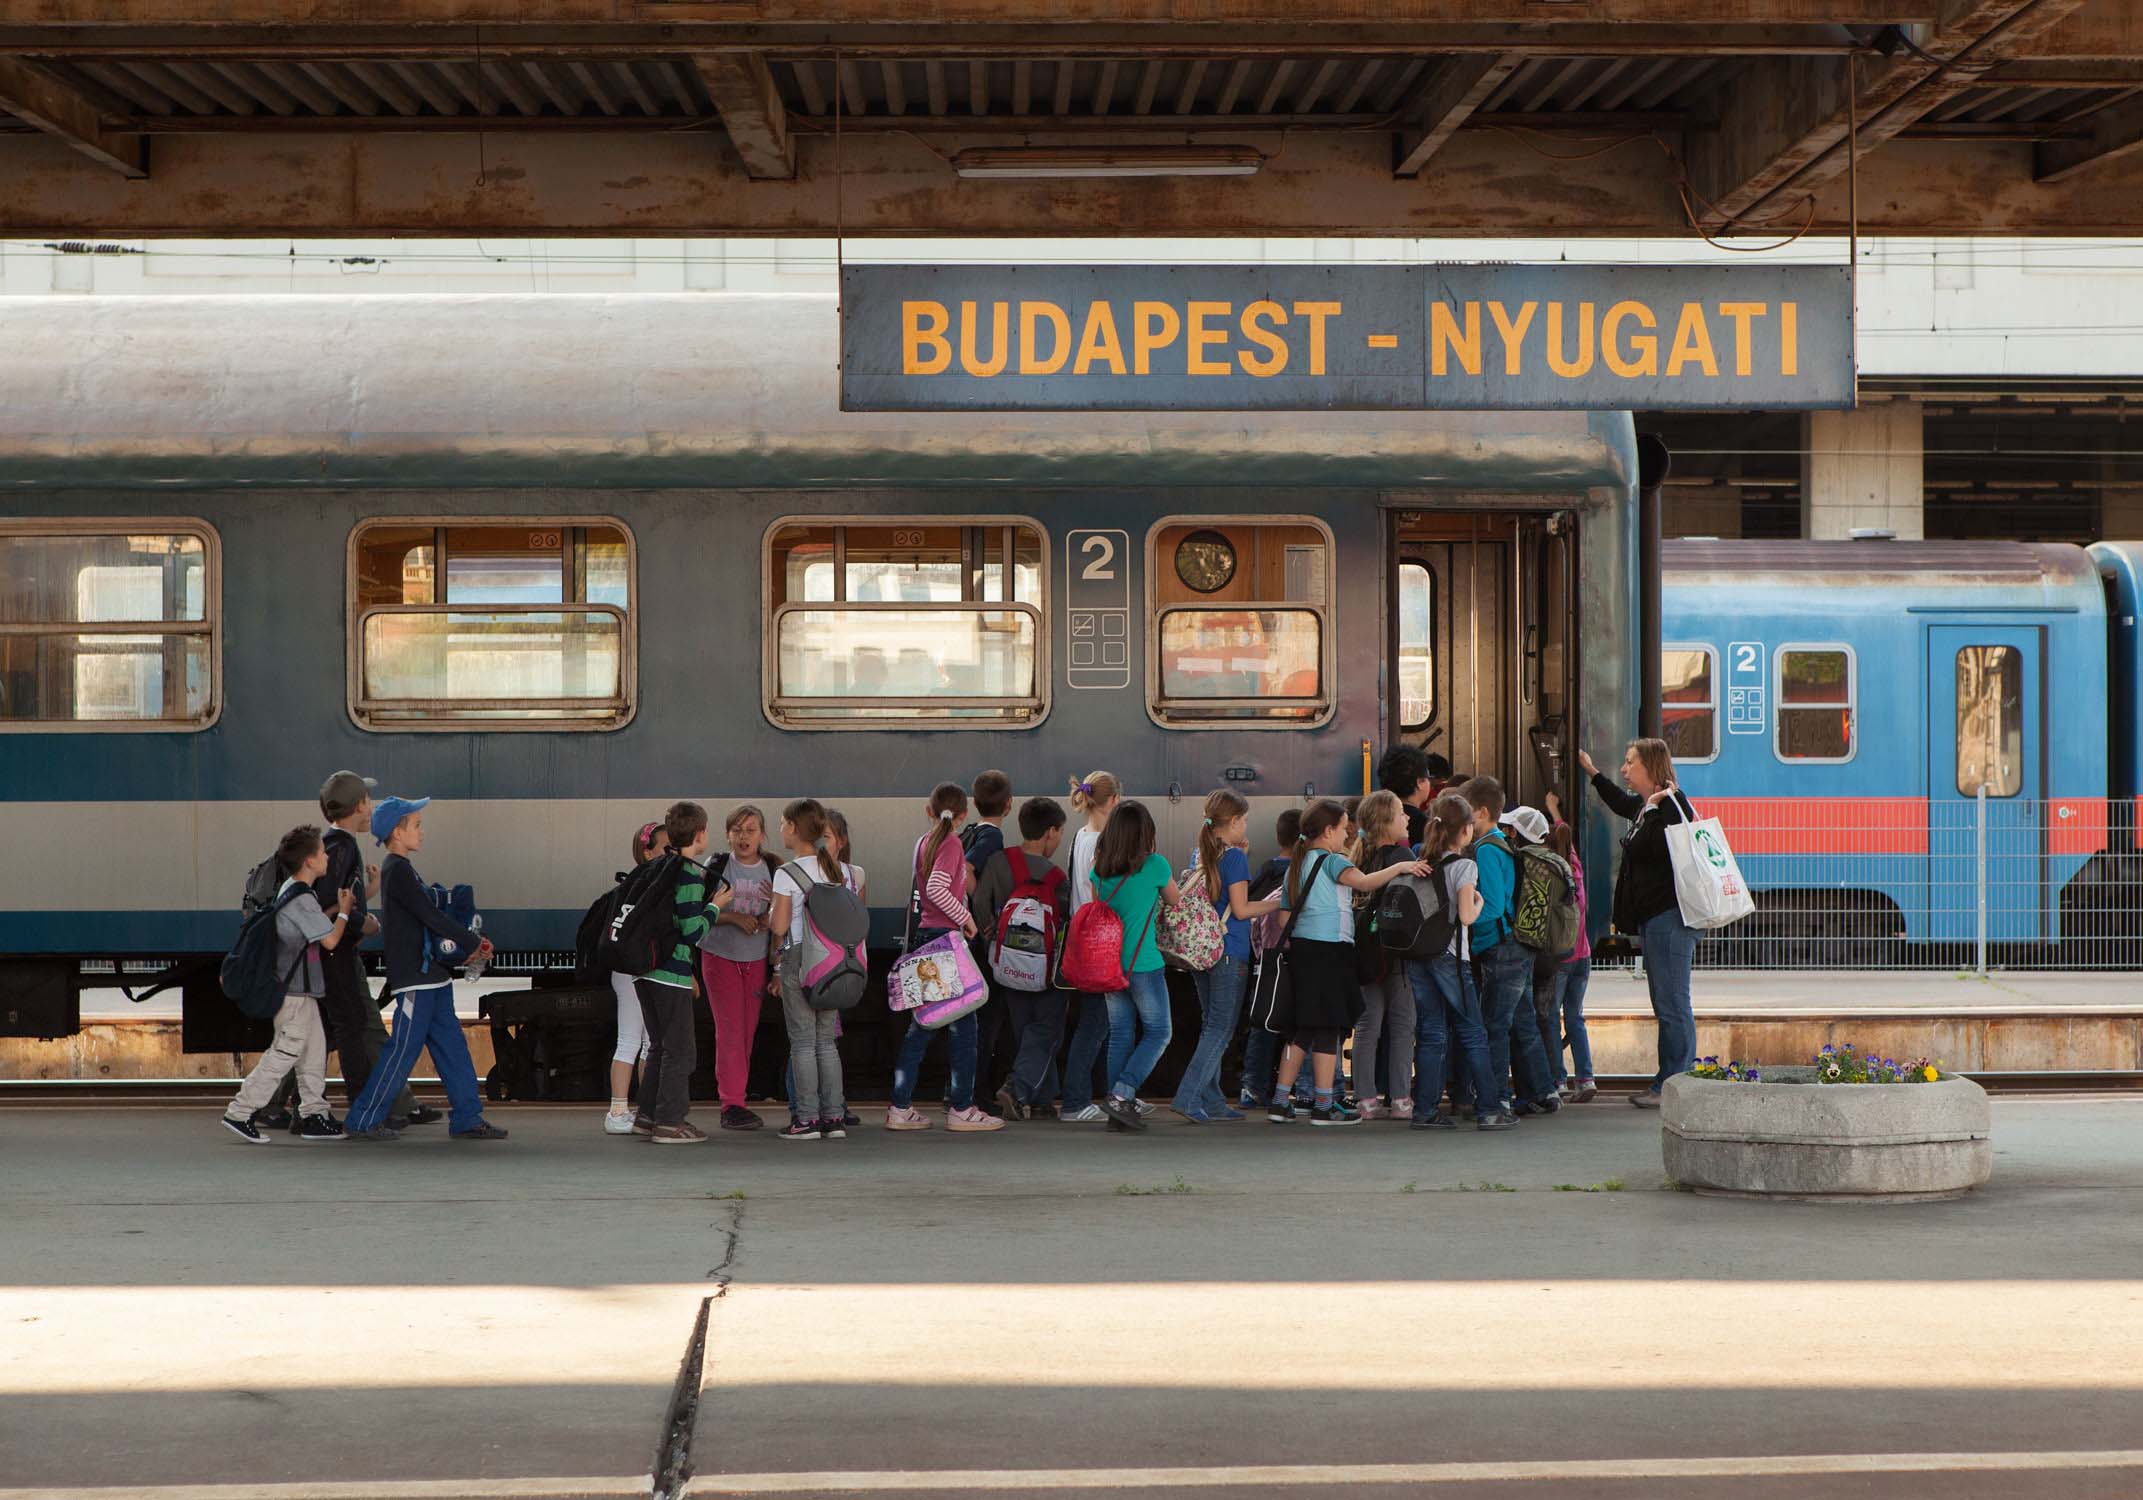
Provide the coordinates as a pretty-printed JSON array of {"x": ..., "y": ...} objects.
[
  {"x": 1091, "y": 1115},
  {"x": 617, "y": 1124},
  {"x": 1144, "y": 1108}
]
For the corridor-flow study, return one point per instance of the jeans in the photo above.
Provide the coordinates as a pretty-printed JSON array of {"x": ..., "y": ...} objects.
[
  {"x": 814, "y": 1056},
  {"x": 351, "y": 1012},
  {"x": 1037, "y": 1019},
  {"x": 1261, "y": 1065},
  {"x": 672, "y": 1051},
  {"x": 960, "y": 1089},
  {"x": 424, "y": 1020},
  {"x": 1513, "y": 1049},
  {"x": 1446, "y": 1009},
  {"x": 1670, "y": 946},
  {"x": 1548, "y": 1016},
  {"x": 1570, "y": 986},
  {"x": 1086, "y": 1044},
  {"x": 1220, "y": 997},
  {"x": 1387, "y": 1019},
  {"x": 1141, "y": 1011}
]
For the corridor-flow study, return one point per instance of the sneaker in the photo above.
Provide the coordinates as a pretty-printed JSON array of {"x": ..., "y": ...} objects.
[
  {"x": 800, "y": 1130},
  {"x": 424, "y": 1114},
  {"x": 1402, "y": 1109},
  {"x": 972, "y": 1119},
  {"x": 1124, "y": 1112},
  {"x": 1248, "y": 1100},
  {"x": 1090, "y": 1115},
  {"x": 642, "y": 1126},
  {"x": 1372, "y": 1108},
  {"x": 1548, "y": 1104},
  {"x": 1008, "y": 1103},
  {"x": 848, "y": 1118},
  {"x": 1345, "y": 1107},
  {"x": 1645, "y": 1099},
  {"x": 245, "y": 1130},
  {"x": 1333, "y": 1114},
  {"x": 1495, "y": 1122},
  {"x": 685, "y": 1133},
  {"x": 1437, "y": 1121},
  {"x": 832, "y": 1130},
  {"x": 273, "y": 1119},
  {"x": 484, "y": 1130},
  {"x": 1225, "y": 1113},
  {"x": 1526, "y": 1107},
  {"x": 1583, "y": 1091},
  {"x": 1192, "y": 1116},
  {"x": 737, "y": 1117},
  {"x": 617, "y": 1124},
  {"x": 1281, "y": 1111},
  {"x": 897, "y": 1118},
  {"x": 376, "y": 1133},
  {"x": 1144, "y": 1108},
  {"x": 320, "y": 1128}
]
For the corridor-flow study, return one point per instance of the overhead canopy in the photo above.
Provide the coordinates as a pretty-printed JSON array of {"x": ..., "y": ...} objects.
[
  {"x": 676, "y": 117},
  {"x": 707, "y": 391}
]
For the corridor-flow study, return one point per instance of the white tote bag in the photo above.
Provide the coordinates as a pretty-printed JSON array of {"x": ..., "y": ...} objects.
[{"x": 1707, "y": 881}]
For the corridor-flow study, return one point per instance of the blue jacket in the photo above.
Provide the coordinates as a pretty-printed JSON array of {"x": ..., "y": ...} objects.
[
  {"x": 1497, "y": 882},
  {"x": 406, "y": 915}
]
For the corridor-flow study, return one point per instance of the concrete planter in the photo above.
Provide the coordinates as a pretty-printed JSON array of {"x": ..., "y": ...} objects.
[{"x": 1791, "y": 1137}]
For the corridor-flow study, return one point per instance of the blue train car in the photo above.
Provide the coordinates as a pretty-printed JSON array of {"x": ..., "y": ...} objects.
[
  {"x": 1853, "y": 711},
  {"x": 556, "y": 561}
]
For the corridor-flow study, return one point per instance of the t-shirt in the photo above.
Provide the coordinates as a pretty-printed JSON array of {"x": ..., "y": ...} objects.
[
  {"x": 1133, "y": 897},
  {"x": 1327, "y": 906},
  {"x": 787, "y": 882},
  {"x": 1461, "y": 874},
  {"x": 981, "y": 841},
  {"x": 1084, "y": 843},
  {"x": 1234, "y": 866},
  {"x": 298, "y": 929},
  {"x": 751, "y": 893}
]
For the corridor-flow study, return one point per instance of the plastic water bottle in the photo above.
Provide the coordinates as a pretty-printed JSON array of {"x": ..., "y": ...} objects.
[{"x": 475, "y": 966}]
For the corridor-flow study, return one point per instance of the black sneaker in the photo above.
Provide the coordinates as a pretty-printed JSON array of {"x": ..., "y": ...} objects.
[
  {"x": 1333, "y": 1114},
  {"x": 1495, "y": 1122},
  {"x": 737, "y": 1117},
  {"x": 848, "y": 1118},
  {"x": 1547, "y": 1104},
  {"x": 245, "y": 1130},
  {"x": 1008, "y": 1103},
  {"x": 1524, "y": 1108},
  {"x": 273, "y": 1119},
  {"x": 482, "y": 1130},
  {"x": 800, "y": 1130},
  {"x": 1437, "y": 1121},
  {"x": 1123, "y": 1111},
  {"x": 424, "y": 1114},
  {"x": 320, "y": 1128},
  {"x": 832, "y": 1130},
  {"x": 1281, "y": 1111},
  {"x": 380, "y": 1132}
]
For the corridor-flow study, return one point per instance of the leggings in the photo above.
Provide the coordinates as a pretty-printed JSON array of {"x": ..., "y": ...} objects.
[{"x": 632, "y": 1025}]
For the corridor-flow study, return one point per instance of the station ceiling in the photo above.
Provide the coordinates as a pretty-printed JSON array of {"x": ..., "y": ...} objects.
[{"x": 1509, "y": 118}]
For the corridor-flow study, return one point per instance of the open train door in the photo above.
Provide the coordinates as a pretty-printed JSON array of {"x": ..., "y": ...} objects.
[{"x": 1983, "y": 697}]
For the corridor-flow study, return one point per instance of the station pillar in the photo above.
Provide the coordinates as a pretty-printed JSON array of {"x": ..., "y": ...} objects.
[{"x": 1864, "y": 468}]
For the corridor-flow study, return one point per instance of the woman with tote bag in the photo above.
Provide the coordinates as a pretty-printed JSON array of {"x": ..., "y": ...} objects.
[{"x": 1646, "y": 904}]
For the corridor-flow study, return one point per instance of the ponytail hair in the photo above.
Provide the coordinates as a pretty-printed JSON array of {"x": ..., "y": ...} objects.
[
  {"x": 1320, "y": 818},
  {"x": 837, "y": 826},
  {"x": 808, "y": 818},
  {"x": 948, "y": 804},
  {"x": 1562, "y": 840},
  {"x": 1099, "y": 789},
  {"x": 643, "y": 842},
  {"x": 1450, "y": 815},
  {"x": 1221, "y": 807}
]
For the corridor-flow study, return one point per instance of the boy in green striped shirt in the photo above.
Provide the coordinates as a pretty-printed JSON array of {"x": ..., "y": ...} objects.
[{"x": 666, "y": 991}]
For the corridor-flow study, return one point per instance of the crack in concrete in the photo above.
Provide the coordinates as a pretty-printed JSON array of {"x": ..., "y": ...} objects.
[{"x": 673, "y": 1452}]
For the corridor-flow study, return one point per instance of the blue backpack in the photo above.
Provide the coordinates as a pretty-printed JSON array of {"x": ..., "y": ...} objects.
[{"x": 248, "y": 973}]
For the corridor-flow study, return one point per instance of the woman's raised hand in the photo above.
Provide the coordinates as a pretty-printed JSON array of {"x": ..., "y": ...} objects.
[{"x": 1585, "y": 764}]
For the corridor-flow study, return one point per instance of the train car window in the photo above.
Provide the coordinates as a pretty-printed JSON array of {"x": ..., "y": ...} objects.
[
  {"x": 1990, "y": 721},
  {"x": 1689, "y": 702},
  {"x": 493, "y": 624},
  {"x": 1417, "y": 646},
  {"x": 924, "y": 623},
  {"x": 1815, "y": 703},
  {"x": 1248, "y": 645},
  {"x": 108, "y": 625}
]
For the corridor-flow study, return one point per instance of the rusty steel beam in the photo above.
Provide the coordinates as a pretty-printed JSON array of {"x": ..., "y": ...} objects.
[
  {"x": 1786, "y": 132},
  {"x": 38, "y": 99},
  {"x": 2106, "y": 136},
  {"x": 744, "y": 94},
  {"x": 2107, "y": 30},
  {"x": 1450, "y": 93}
]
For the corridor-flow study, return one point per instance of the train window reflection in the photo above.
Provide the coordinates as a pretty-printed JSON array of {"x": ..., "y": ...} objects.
[
  {"x": 1417, "y": 649},
  {"x": 107, "y": 625},
  {"x": 1240, "y": 629},
  {"x": 924, "y": 622},
  {"x": 511, "y": 623},
  {"x": 1689, "y": 705},
  {"x": 1242, "y": 663},
  {"x": 1815, "y": 703},
  {"x": 1990, "y": 721}
]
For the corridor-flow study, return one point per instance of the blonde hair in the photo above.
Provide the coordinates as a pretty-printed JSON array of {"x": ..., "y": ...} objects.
[
  {"x": 739, "y": 814},
  {"x": 1221, "y": 807},
  {"x": 1657, "y": 760},
  {"x": 1099, "y": 789},
  {"x": 1450, "y": 815},
  {"x": 1374, "y": 818}
]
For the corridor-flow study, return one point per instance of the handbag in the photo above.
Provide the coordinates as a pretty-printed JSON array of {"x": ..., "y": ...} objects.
[
  {"x": 1270, "y": 984},
  {"x": 1190, "y": 934},
  {"x": 1707, "y": 879}
]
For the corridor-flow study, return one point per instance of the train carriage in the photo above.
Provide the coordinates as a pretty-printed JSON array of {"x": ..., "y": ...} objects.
[{"x": 558, "y": 560}]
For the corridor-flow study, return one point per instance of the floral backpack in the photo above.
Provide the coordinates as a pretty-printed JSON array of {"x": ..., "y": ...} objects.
[{"x": 1190, "y": 934}]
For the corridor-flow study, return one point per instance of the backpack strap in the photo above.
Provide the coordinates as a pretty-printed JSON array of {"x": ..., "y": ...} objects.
[
  {"x": 1016, "y": 857},
  {"x": 1287, "y": 928}
]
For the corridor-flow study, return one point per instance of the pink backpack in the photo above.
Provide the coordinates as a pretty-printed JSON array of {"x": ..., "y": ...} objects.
[{"x": 939, "y": 981}]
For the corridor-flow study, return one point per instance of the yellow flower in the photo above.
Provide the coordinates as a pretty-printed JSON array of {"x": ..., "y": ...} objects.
[{"x": 1929, "y": 1073}]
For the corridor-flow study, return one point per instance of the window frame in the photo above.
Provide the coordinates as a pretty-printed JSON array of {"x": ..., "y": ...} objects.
[
  {"x": 771, "y": 616},
  {"x": 1326, "y": 705},
  {"x": 1399, "y": 643},
  {"x": 1713, "y": 704},
  {"x": 1780, "y": 707},
  {"x": 625, "y": 707},
  {"x": 1957, "y": 710},
  {"x": 210, "y": 624}
]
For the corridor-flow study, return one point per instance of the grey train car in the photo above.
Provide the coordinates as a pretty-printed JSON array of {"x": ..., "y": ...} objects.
[{"x": 555, "y": 561}]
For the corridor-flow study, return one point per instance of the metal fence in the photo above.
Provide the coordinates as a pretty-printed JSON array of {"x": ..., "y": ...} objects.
[{"x": 1948, "y": 883}]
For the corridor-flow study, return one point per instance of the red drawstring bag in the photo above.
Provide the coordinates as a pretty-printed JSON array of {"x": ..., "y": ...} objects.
[{"x": 1094, "y": 946}]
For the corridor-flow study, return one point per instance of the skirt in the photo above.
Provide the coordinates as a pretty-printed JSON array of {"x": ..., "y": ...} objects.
[{"x": 1321, "y": 990}]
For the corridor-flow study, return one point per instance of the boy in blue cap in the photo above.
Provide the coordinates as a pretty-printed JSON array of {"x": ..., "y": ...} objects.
[{"x": 417, "y": 936}]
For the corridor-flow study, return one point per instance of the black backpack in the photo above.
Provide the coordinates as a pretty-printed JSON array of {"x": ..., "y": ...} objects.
[
  {"x": 642, "y": 928},
  {"x": 262, "y": 882},
  {"x": 588, "y": 938},
  {"x": 248, "y": 973},
  {"x": 1414, "y": 917}
]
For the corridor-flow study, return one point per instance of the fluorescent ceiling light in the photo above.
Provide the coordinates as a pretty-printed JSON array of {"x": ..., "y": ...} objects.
[{"x": 1113, "y": 161}]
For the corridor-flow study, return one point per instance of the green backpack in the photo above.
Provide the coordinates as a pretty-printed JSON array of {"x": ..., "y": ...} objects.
[{"x": 1544, "y": 909}]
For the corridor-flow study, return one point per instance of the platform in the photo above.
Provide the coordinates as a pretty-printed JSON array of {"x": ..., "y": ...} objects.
[{"x": 1247, "y": 1310}]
